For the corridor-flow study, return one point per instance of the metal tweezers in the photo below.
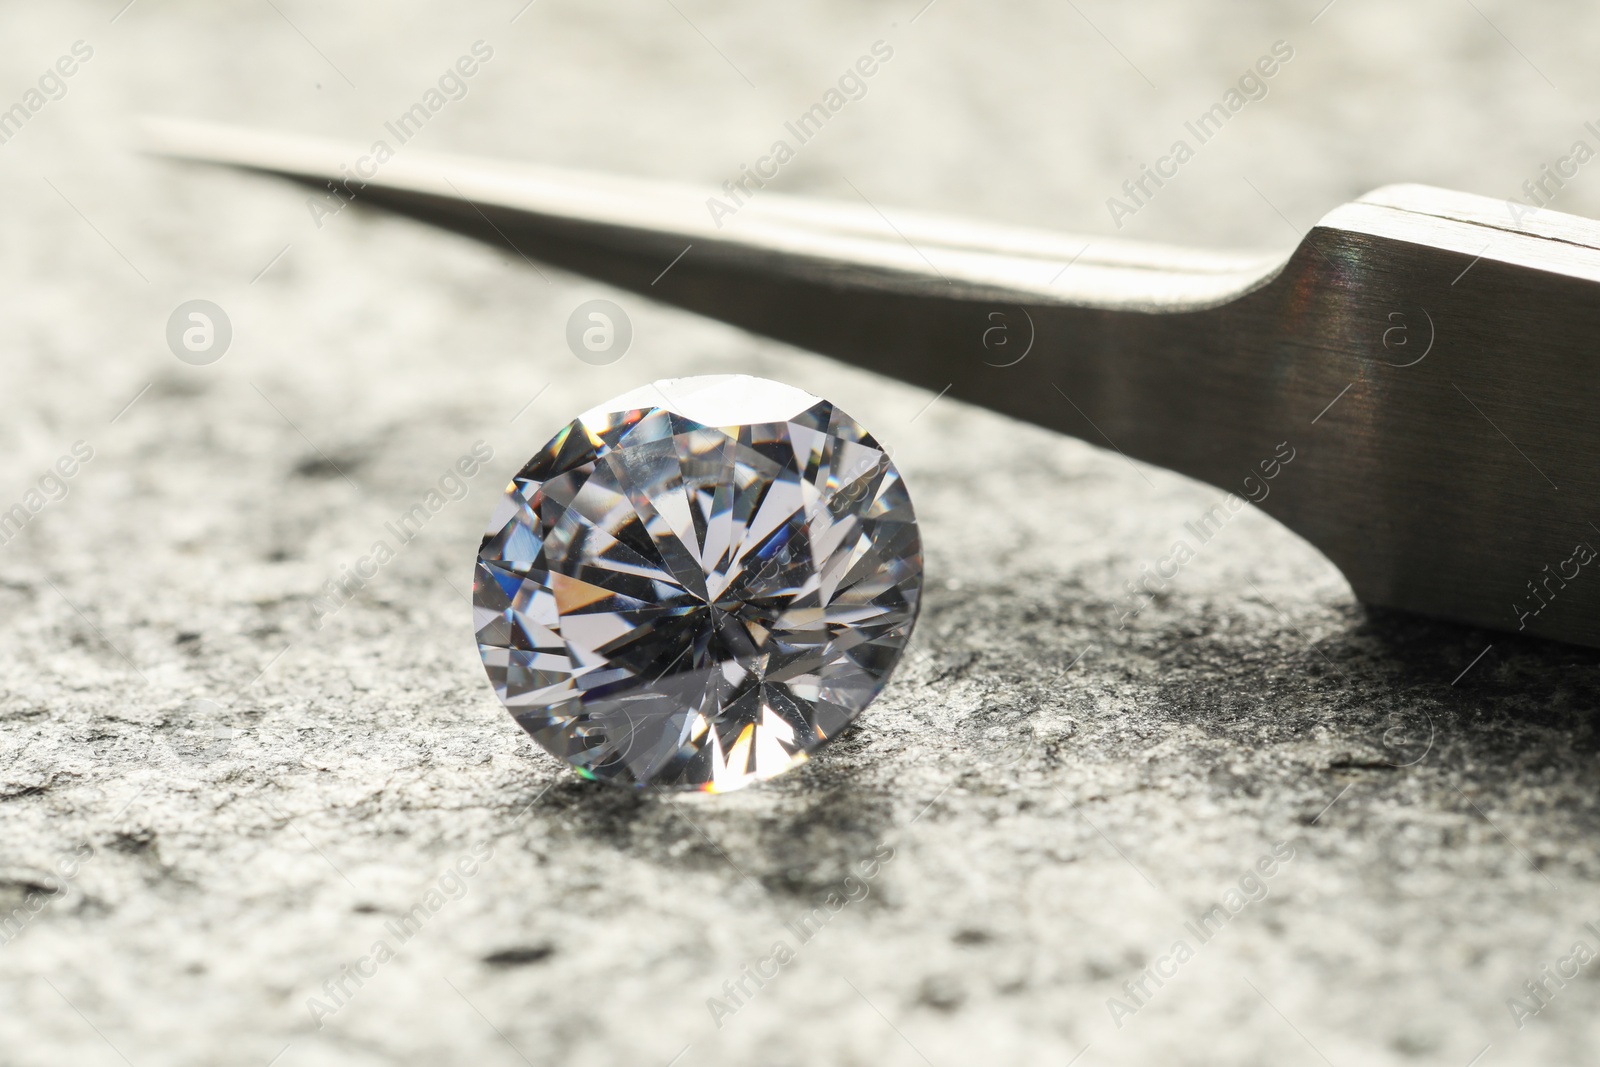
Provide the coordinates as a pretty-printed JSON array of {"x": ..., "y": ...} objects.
[{"x": 1432, "y": 358}]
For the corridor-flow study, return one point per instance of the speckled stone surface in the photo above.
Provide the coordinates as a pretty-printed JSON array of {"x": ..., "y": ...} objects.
[{"x": 214, "y": 809}]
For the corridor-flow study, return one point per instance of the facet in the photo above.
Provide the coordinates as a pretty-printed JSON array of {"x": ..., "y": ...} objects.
[{"x": 698, "y": 583}]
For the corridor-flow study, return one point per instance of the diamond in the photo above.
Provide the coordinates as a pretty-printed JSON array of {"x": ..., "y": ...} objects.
[{"x": 698, "y": 583}]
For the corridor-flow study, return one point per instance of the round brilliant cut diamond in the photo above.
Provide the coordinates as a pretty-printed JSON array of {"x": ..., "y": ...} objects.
[{"x": 698, "y": 583}]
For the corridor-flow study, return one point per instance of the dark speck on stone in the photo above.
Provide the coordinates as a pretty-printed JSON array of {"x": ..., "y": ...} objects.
[
  {"x": 320, "y": 466},
  {"x": 519, "y": 957},
  {"x": 133, "y": 842},
  {"x": 942, "y": 992}
]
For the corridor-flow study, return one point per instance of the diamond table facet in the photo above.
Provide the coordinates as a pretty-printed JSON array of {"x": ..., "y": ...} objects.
[{"x": 698, "y": 583}]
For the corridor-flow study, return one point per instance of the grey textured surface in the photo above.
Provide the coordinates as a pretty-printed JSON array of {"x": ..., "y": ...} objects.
[{"x": 1060, "y": 794}]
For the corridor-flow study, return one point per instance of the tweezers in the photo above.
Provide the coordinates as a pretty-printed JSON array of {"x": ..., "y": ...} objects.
[{"x": 1429, "y": 357}]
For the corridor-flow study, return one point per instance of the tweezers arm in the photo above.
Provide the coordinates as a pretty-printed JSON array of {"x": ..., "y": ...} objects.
[{"x": 941, "y": 303}]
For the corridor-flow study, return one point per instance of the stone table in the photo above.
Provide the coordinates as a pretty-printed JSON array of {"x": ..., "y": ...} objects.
[{"x": 238, "y": 828}]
